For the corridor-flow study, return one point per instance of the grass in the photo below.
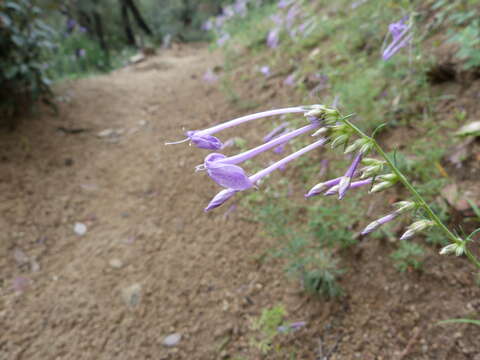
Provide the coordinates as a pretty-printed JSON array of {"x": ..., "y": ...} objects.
[{"x": 397, "y": 92}]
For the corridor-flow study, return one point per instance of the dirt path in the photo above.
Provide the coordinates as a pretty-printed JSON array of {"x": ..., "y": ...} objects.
[{"x": 150, "y": 256}]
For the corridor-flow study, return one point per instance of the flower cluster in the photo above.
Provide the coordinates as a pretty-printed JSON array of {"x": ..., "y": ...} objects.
[
  {"x": 290, "y": 12},
  {"x": 238, "y": 9},
  {"x": 326, "y": 123}
]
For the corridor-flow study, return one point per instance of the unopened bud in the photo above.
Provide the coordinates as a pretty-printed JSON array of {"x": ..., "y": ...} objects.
[
  {"x": 381, "y": 186},
  {"x": 404, "y": 206},
  {"x": 356, "y": 145},
  {"x": 388, "y": 177},
  {"x": 369, "y": 171},
  {"x": 340, "y": 140},
  {"x": 372, "y": 162},
  {"x": 457, "y": 248},
  {"x": 320, "y": 131},
  {"x": 417, "y": 227}
]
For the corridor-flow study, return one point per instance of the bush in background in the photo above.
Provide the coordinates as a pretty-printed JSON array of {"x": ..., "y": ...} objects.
[{"x": 25, "y": 41}]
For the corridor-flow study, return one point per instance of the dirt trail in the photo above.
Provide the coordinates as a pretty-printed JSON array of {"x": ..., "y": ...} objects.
[{"x": 150, "y": 254}]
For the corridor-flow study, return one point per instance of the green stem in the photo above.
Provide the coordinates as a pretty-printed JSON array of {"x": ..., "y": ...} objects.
[
  {"x": 471, "y": 257},
  {"x": 419, "y": 199}
]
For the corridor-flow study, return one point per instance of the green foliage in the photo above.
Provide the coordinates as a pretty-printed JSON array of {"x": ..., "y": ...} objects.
[
  {"x": 309, "y": 261},
  {"x": 408, "y": 256},
  {"x": 468, "y": 40},
  {"x": 25, "y": 40},
  {"x": 328, "y": 225},
  {"x": 267, "y": 325}
]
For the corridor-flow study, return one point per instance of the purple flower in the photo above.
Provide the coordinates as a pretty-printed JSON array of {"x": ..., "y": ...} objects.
[
  {"x": 291, "y": 327},
  {"x": 275, "y": 132},
  {"x": 210, "y": 77},
  {"x": 223, "y": 39},
  {"x": 265, "y": 70},
  {"x": 225, "y": 194},
  {"x": 377, "y": 223},
  {"x": 220, "y": 198},
  {"x": 223, "y": 170},
  {"x": 289, "y": 80},
  {"x": 346, "y": 180},
  {"x": 273, "y": 38},
  {"x": 321, "y": 187},
  {"x": 279, "y": 149},
  {"x": 284, "y": 3},
  {"x": 400, "y": 38},
  {"x": 356, "y": 184},
  {"x": 291, "y": 15},
  {"x": 225, "y": 174},
  {"x": 206, "y": 141},
  {"x": 277, "y": 19},
  {"x": 207, "y": 25},
  {"x": 71, "y": 23}
]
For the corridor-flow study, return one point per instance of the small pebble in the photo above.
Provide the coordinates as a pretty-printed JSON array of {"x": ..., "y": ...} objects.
[
  {"x": 80, "y": 229},
  {"x": 172, "y": 339},
  {"x": 116, "y": 263}
]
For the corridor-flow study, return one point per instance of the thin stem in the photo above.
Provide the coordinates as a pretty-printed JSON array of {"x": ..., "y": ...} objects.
[
  {"x": 420, "y": 201},
  {"x": 471, "y": 257}
]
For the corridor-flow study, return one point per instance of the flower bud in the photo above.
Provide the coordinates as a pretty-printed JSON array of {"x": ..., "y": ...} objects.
[
  {"x": 388, "y": 177},
  {"x": 372, "y": 170},
  {"x": 381, "y": 186},
  {"x": 457, "y": 248},
  {"x": 320, "y": 131},
  {"x": 404, "y": 206},
  {"x": 340, "y": 140},
  {"x": 372, "y": 162},
  {"x": 356, "y": 145},
  {"x": 417, "y": 227}
]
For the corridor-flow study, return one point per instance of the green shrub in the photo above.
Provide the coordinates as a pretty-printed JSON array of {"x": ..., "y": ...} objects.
[{"x": 25, "y": 40}]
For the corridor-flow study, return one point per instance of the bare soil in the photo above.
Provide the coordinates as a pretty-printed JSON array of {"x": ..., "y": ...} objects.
[{"x": 152, "y": 263}]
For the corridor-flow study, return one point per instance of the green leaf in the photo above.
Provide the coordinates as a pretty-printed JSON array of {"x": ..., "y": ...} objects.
[{"x": 459, "y": 321}]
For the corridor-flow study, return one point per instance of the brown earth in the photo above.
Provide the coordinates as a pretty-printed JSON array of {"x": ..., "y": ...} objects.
[{"x": 152, "y": 263}]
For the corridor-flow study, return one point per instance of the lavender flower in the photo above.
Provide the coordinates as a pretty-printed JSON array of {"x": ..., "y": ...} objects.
[
  {"x": 356, "y": 184},
  {"x": 284, "y": 3},
  {"x": 265, "y": 70},
  {"x": 220, "y": 198},
  {"x": 203, "y": 138},
  {"x": 321, "y": 187},
  {"x": 275, "y": 132},
  {"x": 210, "y": 77},
  {"x": 224, "y": 171},
  {"x": 291, "y": 327},
  {"x": 346, "y": 180},
  {"x": 377, "y": 223},
  {"x": 400, "y": 38},
  {"x": 224, "y": 195},
  {"x": 402, "y": 207},
  {"x": 289, "y": 80},
  {"x": 273, "y": 38}
]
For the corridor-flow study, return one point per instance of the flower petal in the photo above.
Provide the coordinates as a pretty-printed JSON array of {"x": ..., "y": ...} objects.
[
  {"x": 228, "y": 176},
  {"x": 209, "y": 142}
]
